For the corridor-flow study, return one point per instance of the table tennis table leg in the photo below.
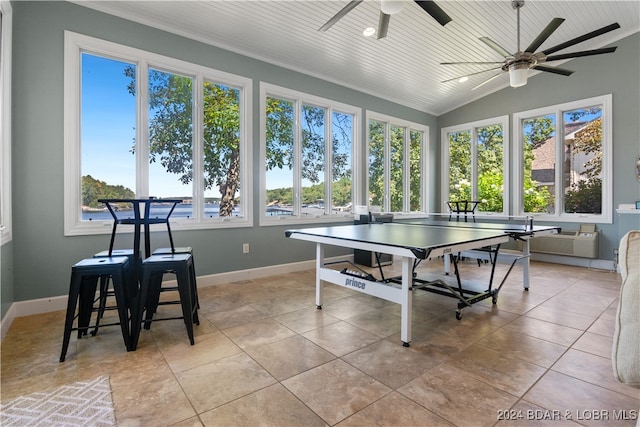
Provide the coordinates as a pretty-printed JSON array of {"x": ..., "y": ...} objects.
[
  {"x": 526, "y": 253},
  {"x": 406, "y": 301},
  {"x": 319, "y": 266},
  {"x": 447, "y": 264}
]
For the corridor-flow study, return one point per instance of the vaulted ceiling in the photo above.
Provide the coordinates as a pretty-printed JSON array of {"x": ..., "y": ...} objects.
[{"x": 403, "y": 67}]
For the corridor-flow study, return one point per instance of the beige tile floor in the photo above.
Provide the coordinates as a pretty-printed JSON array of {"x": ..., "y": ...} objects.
[{"x": 265, "y": 356}]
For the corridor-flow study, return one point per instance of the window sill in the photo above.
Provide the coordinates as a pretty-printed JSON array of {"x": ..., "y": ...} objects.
[{"x": 88, "y": 228}]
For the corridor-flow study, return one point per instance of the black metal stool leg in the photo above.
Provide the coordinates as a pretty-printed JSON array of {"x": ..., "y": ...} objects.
[
  {"x": 184, "y": 286},
  {"x": 119, "y": 284},
  {"x": 153, "y": 298},
  {"x": 85, "y": 305},
  {"x": 74, "y": 291},
  {"x": 139, "y": 308},
  {"x": 102, "y": 302}
]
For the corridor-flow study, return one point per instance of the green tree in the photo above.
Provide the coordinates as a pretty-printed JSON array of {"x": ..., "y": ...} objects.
[
  {"x": 490, "y": 168},
  {"x": 171, "y": 131},
  {"x": 376, "y": 163},
  {"x": 589, "y": 141},
  {"x": 397, "y": 171},
  {"x": 585, "y": 195},
  {"x": 460, "y": 166},
  {"x": 537, "y": 198},
  {"x": 280, "y": 147},
  {"x": 415, "y": 171},
  {"x": 93, "y": 190}
]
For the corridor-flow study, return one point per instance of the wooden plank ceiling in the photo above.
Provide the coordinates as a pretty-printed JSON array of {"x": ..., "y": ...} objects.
[{"x": 403, "y": 67}]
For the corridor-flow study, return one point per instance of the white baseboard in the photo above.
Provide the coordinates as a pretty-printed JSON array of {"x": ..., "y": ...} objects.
[
  {"x": 45, "y": 305},
  {"x": 598, "y": 264},
  {"x": 7, "y": 321},
  {"x": 255, "y": 273}
]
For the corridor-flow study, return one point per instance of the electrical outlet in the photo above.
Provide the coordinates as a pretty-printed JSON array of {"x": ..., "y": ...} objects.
[{"x": 245, "y": 248}]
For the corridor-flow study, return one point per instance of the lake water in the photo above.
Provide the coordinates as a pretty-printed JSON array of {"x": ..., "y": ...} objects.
[{"x": 183, "y": 210}]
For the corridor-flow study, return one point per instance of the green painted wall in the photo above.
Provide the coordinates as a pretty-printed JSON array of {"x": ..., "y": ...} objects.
[
  {"x": 6, "y": 277},
  {"x": 42, "y": 255}
]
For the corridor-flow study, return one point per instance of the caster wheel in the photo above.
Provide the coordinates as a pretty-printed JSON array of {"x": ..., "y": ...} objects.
[
  {"x": 319, "y": 307},
  {"x": 458, "y": 315},
  {"x": 405, "y": 344},
  {"x": 494, "y": 300},
  {"x": 526, "y": 289}
]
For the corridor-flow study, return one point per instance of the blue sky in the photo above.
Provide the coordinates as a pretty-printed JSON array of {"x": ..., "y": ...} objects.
[
  {"x": 108, "y": 133},
  {"x": 108, "y": 128}
]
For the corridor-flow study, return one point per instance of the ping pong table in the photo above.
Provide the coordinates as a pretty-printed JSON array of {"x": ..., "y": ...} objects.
[
  {"x": 522, "y": 231},
  {"x": 411, "y": 243}
]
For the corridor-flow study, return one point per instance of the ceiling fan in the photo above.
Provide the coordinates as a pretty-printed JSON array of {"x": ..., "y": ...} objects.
[
  {"x": 388, "y": 8},
  {"x": 518, "y": 64}
]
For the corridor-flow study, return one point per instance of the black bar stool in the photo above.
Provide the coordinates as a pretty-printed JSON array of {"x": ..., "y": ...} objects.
[
  {"x": 179, "y": 250},
  {"x": 153, "y": 269},
  {"x": 105, "y": 292},
  {"x": 82, "y": 290}
]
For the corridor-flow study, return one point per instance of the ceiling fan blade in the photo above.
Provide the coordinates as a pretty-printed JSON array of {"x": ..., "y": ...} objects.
[
  {"x": 581, "y": 53},
  {"x": 383, "y": 25},
  {"x": 338, "y": 16},
  {"x": 544, "y": 35},
  {"x": 435, "y": 11},
  {"x": 554, "y": 70},
  {"x": 469, "y": 75},
  {"x": 582, "y": 38},
  {"x": 495, "y": 46},
  {"x": 486, "y": 81},
  {"x": 471, "y": 63}
]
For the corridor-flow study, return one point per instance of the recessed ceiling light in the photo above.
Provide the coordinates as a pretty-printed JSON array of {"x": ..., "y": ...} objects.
[
  {"x": 369, "y": 31},
  {"x": 463, "y": 79}
]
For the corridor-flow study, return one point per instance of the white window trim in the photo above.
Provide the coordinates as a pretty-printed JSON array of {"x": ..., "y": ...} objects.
[
  {"x": 409, "y": 126},
  {"x": 607, "y": 165},
  {"x": 6, "y": 229},
  {"x": 472, "y": 126},
  {"x": 76, "y": 43},
  {"x": 299, "y": 98}
]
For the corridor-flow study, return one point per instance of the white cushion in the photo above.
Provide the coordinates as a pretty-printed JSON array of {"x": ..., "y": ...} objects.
[{"x": 625, "y": 353}]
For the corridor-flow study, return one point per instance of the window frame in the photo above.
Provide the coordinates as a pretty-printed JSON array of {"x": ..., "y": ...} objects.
[
  {"x": 606, "y": 217},
  {"x": 6, "y": 229},
  {"x": 299, "y": 99},
  {"x": 424, "y": 163},
  {"x": 75, "y": 45},
  {"x": 506, "y": 160}
]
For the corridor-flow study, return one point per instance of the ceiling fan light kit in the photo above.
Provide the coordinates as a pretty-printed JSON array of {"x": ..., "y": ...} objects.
[
  {"x": 518, "y": 75},
  {"x": 391, "y": 7},
  {"x": 518, "y": 64}
]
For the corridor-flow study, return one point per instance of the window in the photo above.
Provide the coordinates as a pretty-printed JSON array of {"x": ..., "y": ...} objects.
[
  {"x": 139, "y": 125},
  {"x": 475, "y": 163},
  {"x": 5, "y": 122},
  {"x": 307, "y": 153},
  {"x": 564, "y": 161},
  {"x": 397, "y": 156}
]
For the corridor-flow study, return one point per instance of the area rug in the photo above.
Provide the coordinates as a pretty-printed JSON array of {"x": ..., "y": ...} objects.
[{"x": 85, "y": 403}]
